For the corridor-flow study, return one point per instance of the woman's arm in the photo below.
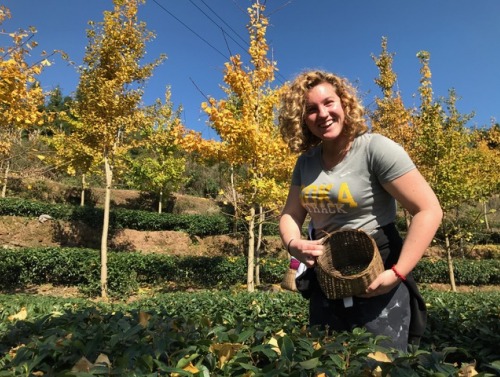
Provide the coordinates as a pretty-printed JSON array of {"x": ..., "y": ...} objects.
[
  {"x": 290, "y": 225},
  {"x": 413, "y": 192}
]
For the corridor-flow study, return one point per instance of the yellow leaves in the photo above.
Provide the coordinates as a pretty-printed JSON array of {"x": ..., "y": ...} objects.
[
  {"x": 84, "y": 365},
  {"x": 245, "y": 123},
  {"x": 186, "y": 364},
  {"x": 20, "y": 316},
  {"x": 13, "y": 351},
  {"x": 71, "y": 170},
  {"x": 19, "y": 99},
  {"x": 190, "y": 368},
  {"x": 467, "y": 370},
  {"x": 273, "y": 342},
  {"x": 381, "y": 357},
  {"x": 144, "y": 318},
  {"x": 225, "y": 352}
]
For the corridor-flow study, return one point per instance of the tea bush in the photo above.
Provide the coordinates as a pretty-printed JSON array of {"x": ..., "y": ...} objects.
[
  {"x": 222, "y": 333},
  {"x": 194, "y": 225},
  {"x": 129, "y": 270}
]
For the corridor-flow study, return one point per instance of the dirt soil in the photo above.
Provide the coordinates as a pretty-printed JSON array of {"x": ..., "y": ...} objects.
[
  {"x": 20, "y": 232},
  {"x": 16, "y": 232}
]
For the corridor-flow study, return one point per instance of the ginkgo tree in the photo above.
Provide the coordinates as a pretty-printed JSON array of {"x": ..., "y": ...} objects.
[
  {"x": 109, "y": 95},
  {"x": 453, "y": 159},
  {"x": 21, "y": 97},
  {"x": 390, "y": 117},
  {"x": 487, "y": 145},
  {"x": 249, "y": 139},
  {"x": 70, "y": 152},
  {"x": 445, "y": 153},
  {"x": 158, "y": 165}
]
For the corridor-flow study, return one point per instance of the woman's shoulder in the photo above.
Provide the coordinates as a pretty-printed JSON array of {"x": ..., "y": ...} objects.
[
  {"x": 372, "y": 137},
  {"x": 376, "y": 141}
]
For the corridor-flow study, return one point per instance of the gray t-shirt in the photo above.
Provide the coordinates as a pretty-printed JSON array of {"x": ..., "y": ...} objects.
[{"x": 351, "y": 196}]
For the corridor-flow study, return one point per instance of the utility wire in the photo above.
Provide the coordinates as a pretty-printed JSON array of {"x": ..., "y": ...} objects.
[
  {"x": 191, "y": 30},
  {"x": 238, "y": 35},
  {"x": 215, "y": 23},
  {"x": 225, "y": 23},
  {"x": 203, "y": 39}
]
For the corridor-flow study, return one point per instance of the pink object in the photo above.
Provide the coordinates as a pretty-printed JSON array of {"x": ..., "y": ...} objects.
[{"x": 294, "y": 264}]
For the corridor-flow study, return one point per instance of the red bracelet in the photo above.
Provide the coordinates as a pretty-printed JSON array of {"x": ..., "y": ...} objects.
[{"x": 393, "y": 268}]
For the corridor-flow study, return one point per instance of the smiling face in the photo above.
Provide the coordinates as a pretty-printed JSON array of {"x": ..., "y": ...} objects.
[{"x": 324, "y": 115}]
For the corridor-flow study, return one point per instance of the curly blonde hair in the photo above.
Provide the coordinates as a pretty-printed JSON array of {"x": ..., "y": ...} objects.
[{"x": 293, "y": 104}]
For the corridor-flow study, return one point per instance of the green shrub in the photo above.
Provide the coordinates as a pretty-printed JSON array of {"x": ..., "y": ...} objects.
[
  {"x": 128, "y": 271},
  {"x": 222, "y": 333},
  {"x": 194, "y": 225},
  {"x": 467, "y": 272}
]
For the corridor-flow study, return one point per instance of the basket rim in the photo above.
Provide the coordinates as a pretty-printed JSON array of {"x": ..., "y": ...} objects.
[
  {"x": 334, "y": 273},
  {"x": 335, "y": 285}
]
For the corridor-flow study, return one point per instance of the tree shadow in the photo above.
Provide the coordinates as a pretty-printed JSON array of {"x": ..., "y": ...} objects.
[{"x": 76, "y": 234}]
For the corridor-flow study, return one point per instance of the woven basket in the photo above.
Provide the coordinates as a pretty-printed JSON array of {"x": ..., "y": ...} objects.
[
  {"x": 349, "y": 263},
  {"x": 288, "y": 281}
]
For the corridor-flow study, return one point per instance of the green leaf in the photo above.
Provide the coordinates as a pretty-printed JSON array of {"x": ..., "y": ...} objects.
[
  {"x": 186, "y": 360},
  {"x": 310, "y": 364},
  {"x": 286, "y": 347}
]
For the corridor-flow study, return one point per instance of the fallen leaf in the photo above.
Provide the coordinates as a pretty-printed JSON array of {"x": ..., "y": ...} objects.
[
  {"x": 144, "y": 318},
  {"x": 191, "y": 368},
  {"x": 82, "y": 365},
  {"x": 467, "y": 370},
  {"x": 281, "y": 333},
  {"x": 13, "y": 351},
  {"x": 103, "y": 359},
  {"x": 188, "y": 368},
  {"x": 225, "y": 351},
  {"x": 23, "y": 313},
  {"x": 380, "y": 356},
  {"x": 274, "y": 345},
  {"x": 316, "y": 345}
]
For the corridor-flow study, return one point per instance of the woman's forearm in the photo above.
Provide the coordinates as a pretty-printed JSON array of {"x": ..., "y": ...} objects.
[{"x": 420, "y": 234}]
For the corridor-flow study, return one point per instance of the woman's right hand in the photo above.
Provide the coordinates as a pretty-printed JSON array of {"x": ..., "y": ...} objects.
[{"x": 306, "y": 251}]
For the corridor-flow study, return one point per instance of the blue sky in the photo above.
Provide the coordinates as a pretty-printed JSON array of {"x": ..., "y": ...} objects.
[{"x": 198, "y": 36}]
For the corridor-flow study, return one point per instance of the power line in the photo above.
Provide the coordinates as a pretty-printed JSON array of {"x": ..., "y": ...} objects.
[
  {"x": 225, "y": 23},
  {"x": 225, "y": 33},
  {"x": 191, "y": 30},
  {"x": 215, "y": 23},
  {"x": 222, "y": 29}
]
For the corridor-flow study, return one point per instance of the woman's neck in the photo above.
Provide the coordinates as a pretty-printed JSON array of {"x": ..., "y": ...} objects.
[{"x": 334, "y": 151}]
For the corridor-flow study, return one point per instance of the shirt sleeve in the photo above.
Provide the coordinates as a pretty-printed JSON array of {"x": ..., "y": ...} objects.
[{"x": 388, "y": 159}]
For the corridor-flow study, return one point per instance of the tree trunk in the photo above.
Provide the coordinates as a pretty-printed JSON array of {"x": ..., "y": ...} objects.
[
  {"x": 485, "y": 211},
  {"x": 105, "y": 229},
  {"x": 259, "y": 245},
  {"x": 235, "y": 202},
  {"x": 160, "y": 202},
  {"x": 450, "y": 264},
  {"x": 251, "y": 251},
  {"x": 82, "y": 195},
  {"x": 5, "y": 176}
]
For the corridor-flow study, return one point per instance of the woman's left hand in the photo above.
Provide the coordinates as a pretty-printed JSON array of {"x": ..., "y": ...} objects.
[{"x": 382, "y": 284}]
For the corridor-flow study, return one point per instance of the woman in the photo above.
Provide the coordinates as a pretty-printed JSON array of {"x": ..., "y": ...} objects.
[{"x": 347, "y": 178}]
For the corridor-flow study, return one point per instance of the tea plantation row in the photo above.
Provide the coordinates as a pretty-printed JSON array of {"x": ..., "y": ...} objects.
[
  {"x": 224, "y": 333},
  {"x": 129, "y": 271}
]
